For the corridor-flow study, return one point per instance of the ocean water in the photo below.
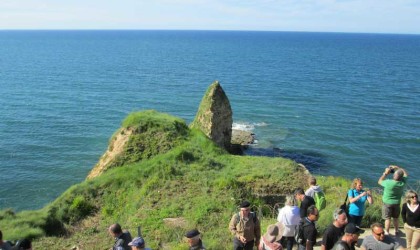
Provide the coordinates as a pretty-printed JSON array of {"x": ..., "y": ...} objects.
[{"x": 342, "y": 104}]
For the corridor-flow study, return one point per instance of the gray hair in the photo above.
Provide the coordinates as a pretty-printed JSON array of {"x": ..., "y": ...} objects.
[
  {"x": 290, "y": 200},
  {"x": 337, "y": 213}
]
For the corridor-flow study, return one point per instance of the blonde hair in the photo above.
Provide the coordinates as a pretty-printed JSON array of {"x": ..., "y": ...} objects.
[
  {"x": 409, "y": 194},
  {"x": 355, "y": 182},
  {"x": 290, "y": 201}
]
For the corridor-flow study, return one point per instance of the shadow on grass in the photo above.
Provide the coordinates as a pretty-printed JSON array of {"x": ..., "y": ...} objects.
[{"x": 313, "y": 161}]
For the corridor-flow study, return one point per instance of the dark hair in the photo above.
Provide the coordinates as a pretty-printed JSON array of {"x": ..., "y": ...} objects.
[
  {"x": 1, "y": 235},
  {"x": 312, "y": 180},
  {"x": 23, "y": 244},
  {"x": 299, "y": 191},
  {"x": 311, "y": 209},
  {"x": 115, "y": 228}
]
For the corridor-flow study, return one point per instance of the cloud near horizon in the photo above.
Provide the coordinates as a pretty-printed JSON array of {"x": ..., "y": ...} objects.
[{"x": 371, "y": 16}]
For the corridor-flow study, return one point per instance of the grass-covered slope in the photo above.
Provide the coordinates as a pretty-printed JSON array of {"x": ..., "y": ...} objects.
[{"x": 193, "y": 181}]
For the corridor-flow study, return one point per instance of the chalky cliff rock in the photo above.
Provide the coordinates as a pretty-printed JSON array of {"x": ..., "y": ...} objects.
[{"x": 214, "y": 116}]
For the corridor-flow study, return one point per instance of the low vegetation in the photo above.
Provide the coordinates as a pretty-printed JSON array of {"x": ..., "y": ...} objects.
[{"x": 191, "y": 184}]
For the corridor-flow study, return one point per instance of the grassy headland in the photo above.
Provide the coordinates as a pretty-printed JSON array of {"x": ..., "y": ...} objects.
[{"x": 178, "y": 174}]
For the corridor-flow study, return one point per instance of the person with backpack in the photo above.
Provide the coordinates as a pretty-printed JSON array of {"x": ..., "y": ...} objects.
[
  {"x": 289, "y": 216},
  {"x": 245, "y": 227},
  {"x": 306, "y": 231},
  {"x": 316, "y": 193},
  {"x": 357, "y": 199},
  {"x": 305, "y": 201},
  {"x": 121, "y": 238}
]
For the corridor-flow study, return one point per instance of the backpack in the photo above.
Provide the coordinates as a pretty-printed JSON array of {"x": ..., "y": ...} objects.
[
  {"x": 252, "y": 214},
  {"x": 299, "y": 238},
  {"x": 320, "y": 201}
]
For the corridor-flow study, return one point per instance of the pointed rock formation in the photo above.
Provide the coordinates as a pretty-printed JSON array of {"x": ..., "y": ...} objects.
[{"x": 214, "y": 116}]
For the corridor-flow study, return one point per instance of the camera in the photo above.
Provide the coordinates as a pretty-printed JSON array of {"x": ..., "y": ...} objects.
[{"x": 391, "y": 169}]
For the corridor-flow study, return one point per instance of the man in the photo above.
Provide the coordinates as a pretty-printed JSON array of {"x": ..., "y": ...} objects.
[
  {"x": 138, "y": 244},
  {"x": 4, "y": 245},
  {"x": 305, "y": 202},
  {"x": 334, "y": 231},
  {"x": 378, "y": 240},
  {"x": 393, "y": 191},
  {"x": 121, "y": 238},
  {"x": 194, "y": 240},
  {"x": 246, "y": 228},
  {"x": 313, "y": 187},
  {"x": 350, "y": 238},
  {"x": 309, "y": 229}
]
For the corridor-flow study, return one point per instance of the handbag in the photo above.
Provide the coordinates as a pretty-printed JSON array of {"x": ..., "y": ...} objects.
[{"x": 344, "y": 206}]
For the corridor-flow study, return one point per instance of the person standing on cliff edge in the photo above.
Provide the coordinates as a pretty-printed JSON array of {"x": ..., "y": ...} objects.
[{"x": 393, "y": 191}]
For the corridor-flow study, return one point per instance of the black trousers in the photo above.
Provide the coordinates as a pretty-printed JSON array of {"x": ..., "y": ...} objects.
[{"x": 238, "y": 245}]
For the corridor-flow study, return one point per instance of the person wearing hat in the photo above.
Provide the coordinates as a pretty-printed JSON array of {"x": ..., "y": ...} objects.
[
  {"x": 350, "y": 237},
  {"x": 393, "y": 191},
  {"x": 194, "y": 240},
  {"x": 138, "y": 244},
  {"x": 245, "y": 227},
  {"x": 378, "y": 240},
  {"x": 271, "y": 239}
]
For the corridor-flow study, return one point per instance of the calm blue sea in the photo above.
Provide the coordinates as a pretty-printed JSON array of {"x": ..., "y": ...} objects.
[{"x": 342, "y": 104}]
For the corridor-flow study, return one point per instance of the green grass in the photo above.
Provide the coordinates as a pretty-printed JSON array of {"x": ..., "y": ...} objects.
[{"x": 193, "y": 179}]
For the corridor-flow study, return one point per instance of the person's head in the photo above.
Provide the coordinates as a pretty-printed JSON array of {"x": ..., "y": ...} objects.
[
  {"x": 357, "y": 184},
  {"x": 290, "y": 200},
  {"x": 115, "y": 230},
  {"x": 193, "y": 237},
  {"x": 398, "y": 175},
  {"x": 245, "y": 209},
  {"x": 313, "y": 213},
  {"x": 137, "y": 243},
  {"x": 274, "y": 233},
  {"x": 312, "y": 181},
  {"x": 352, "y": 233},
  {"x": 1, "y": 236},
  {"x": 24, "y": 244},
  {"x": 299, "y": 194},
  {"x": 411, "y": 197},
  {"x": 340, "y": 218},
  {"x": 378, "y": 231}
]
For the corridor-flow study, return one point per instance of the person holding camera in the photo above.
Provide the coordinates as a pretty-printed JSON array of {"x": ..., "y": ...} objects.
[
  {"x": 358, "y": 197},
  {"x": 393, "y": 191}
]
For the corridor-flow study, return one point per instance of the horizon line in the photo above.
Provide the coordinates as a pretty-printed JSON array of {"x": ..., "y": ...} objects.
[{"x": 222, "y": 30}]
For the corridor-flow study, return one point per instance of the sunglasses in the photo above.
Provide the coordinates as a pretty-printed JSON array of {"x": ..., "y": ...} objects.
[{"x": 415, "y": 196}]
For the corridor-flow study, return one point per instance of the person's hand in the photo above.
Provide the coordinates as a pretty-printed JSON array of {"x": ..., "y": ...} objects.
[
  {"x": 363, "y": 194},
  {"x": 368, "y": 193},
  {"x": 242, "y": 239}
]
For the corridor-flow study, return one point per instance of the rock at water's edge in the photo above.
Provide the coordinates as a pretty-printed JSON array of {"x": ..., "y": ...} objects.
[{"x": 214, "y": 116}]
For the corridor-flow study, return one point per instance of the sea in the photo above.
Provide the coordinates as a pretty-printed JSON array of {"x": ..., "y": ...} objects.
[{"x": 342, "y": 104}]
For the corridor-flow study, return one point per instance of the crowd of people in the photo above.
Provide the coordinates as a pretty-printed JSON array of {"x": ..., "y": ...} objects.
[{"x": 296, "y": 224}]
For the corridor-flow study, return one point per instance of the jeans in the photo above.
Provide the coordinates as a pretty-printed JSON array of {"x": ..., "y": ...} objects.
[
  {"x": 287, "y": 242},
  {"x": 238, "y": 245}
]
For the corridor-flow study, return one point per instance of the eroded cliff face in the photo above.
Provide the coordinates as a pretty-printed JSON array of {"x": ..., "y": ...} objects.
[
  {"x": 214, "y": 116},
  {"x": 143, "y": 135},
  {"x": 115, "y": 149}
]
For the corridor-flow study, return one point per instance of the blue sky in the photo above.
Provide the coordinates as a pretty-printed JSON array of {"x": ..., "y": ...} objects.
[{"x": 372, "y": 16}]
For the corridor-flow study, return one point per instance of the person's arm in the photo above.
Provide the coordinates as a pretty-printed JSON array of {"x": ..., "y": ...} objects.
[
  {"x": 257, "y": 232},
  {"x": 369, "y": 197},
  {"x": 355, "y": 198},
  {"x": 404, "y": 212},
  {"x": 232, "y": 224},
  {"x": 386, "y": 172},
  {"x": 396, "y": 168}
]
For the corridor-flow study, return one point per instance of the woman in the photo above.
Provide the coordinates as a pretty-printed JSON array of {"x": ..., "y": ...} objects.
[
  {"x": 289, "y": 216},
  {"x": 357, "y": 199},
  {"x": 410, "y": 214}
]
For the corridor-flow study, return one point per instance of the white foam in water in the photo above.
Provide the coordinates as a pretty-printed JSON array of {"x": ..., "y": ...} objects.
[{"x": 246, "y": 126}]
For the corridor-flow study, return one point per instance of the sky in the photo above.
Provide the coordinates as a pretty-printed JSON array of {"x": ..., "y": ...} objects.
[{"x": 365, "y": 16}]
